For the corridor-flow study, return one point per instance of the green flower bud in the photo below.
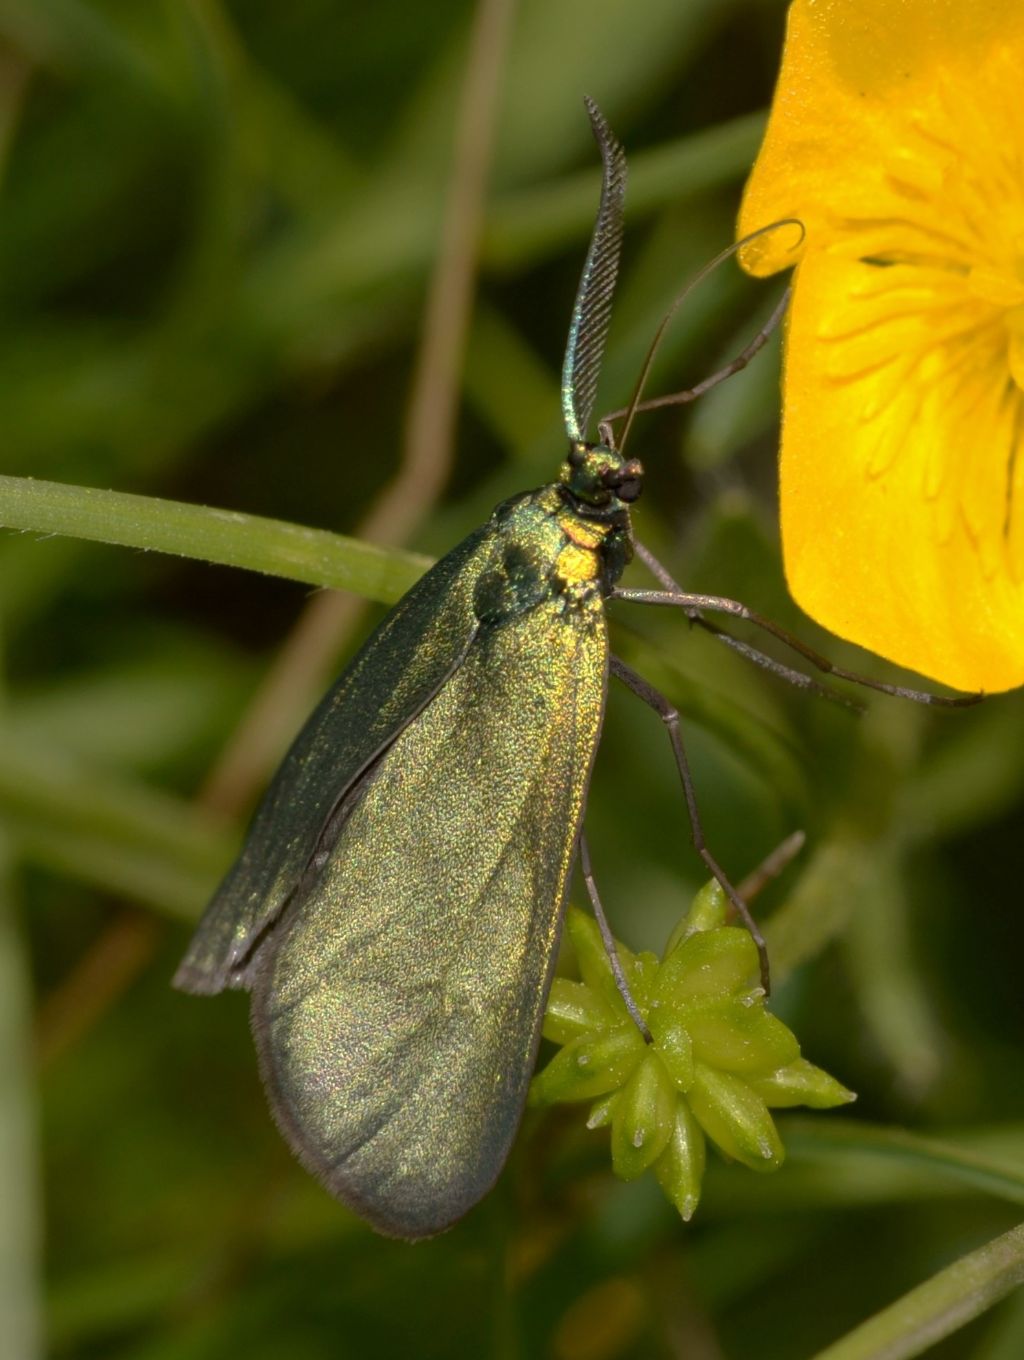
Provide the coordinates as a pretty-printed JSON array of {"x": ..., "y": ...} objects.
[
  {"x": 573, "y": 1009},
  {"x": 801, "y": 1083},
  {"x": 642, "y": 973},
  {"x": 592, "y": 961},
  {"x": 735, "y": 1118},
  {"x": 713, "y": 963},
  {"x": 589, "y": 1066},
  {"x": 643, "y": 1119},
  {"x": 715, "y": 1062},
  {"x": 680, "y": 1168},
  {"x": 708, "y": 910},
  {"x": 602, "y": 1110},
  {"x": 673, "y": 1044},
  {"x": 737, "y": 1037}
]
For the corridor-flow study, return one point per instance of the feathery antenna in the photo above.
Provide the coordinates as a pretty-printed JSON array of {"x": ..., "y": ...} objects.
[{"x": 592, "y": 310}]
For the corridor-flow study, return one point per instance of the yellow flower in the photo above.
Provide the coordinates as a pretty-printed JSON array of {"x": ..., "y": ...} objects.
[{"x": 897, "y": 137}]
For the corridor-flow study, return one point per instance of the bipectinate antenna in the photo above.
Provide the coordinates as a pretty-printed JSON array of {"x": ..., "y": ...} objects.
[{"x": 592, "y": 310}]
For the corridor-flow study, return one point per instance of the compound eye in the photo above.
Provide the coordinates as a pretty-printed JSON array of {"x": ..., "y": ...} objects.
[
  {"x": 577, "y": 456},
  {"x": 625, "y": 482}
]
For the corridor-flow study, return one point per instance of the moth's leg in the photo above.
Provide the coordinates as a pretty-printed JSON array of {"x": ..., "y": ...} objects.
[
  {"x": 692, "y": 604},
  {"x": 670, "y": 717},
  {"x": 792, "y": 677},
  {"x": 587, "y": 869}
]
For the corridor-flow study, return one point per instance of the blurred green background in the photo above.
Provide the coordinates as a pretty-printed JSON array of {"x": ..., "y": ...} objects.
[{"x": 219, "y": 226}]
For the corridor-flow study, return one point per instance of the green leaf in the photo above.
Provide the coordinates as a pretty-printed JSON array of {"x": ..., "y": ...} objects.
[
  {"x": 115, "y": 832},
  {"x": 853, "y": 1141},
  {"x": 21, "y": 1228}
]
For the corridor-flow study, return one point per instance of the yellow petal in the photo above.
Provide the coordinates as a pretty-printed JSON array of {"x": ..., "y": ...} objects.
[
  {"x": 1016, "y": 357},
  {"x": 902, "y": 477},
  {"x": 876, "y": 101}
]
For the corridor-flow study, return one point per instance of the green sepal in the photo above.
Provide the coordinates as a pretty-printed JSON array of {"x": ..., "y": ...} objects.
[
  {"x": 593, "y": 962},
  {"x": 736, "y": 1118},
  {"x": 736, "y": 1037},
  {"x": 589, "y": 1066},
  {"x": 643, "y": 1119},
  {"x": 707, "y": 911},
  {"x": 801, "y": 1083},
  {"x": 680, "y": 1168},
  {"x": 602, "y": 1110},
  {"x": 575, "y": 1009},
  {"x": 716, "y": 962},
  {"x": 642, "y": 972},
  {"x": 673, "y": 1045}
]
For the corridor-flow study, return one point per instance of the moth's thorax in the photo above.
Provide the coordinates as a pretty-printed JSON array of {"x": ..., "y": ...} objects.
[
  {"x": 595, "y": 551},
  {"x": 545, "y": 548}
]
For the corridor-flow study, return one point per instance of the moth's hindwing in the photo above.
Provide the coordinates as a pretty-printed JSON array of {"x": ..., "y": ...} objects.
[
  {"x": 397, "y": 1007},
  {"x": 398, "y": 670}
]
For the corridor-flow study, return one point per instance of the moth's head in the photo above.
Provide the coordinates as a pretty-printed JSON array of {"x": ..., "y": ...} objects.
[{"x": 597, "y": 476}]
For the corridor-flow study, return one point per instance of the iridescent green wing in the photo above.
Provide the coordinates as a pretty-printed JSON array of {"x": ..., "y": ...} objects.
[
  {"x": 397, "y": 671},
  {"x": 397, "y": 1007}
]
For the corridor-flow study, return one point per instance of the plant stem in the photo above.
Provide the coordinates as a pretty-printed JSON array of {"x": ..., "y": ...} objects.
[{"x": 939, "y": 1306}]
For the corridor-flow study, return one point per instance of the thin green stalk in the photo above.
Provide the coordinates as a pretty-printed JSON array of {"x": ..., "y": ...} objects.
[
  {"x": 832, "y": 1138},
  {"x": 21, "y": 1230},
  {"x": 20, "y": 1213},
  {"x": 227, "y": 537},
  {"x": 938, "y": 1307}
]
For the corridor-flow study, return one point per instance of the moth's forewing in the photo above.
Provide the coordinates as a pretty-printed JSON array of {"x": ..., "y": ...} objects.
[
  {"x": 397, "y": 1007},
  {"x": 399, "y": 668}
]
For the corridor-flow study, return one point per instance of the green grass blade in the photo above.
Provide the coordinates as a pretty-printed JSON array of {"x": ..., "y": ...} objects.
[{"x": 227, "y": 537}]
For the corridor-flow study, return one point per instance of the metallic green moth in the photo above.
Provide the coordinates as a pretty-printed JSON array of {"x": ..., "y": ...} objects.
[{"x": 396, "y": 908}]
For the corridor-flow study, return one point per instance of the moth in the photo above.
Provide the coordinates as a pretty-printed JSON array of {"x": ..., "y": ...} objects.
[{"x": 395, "y": 910}]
